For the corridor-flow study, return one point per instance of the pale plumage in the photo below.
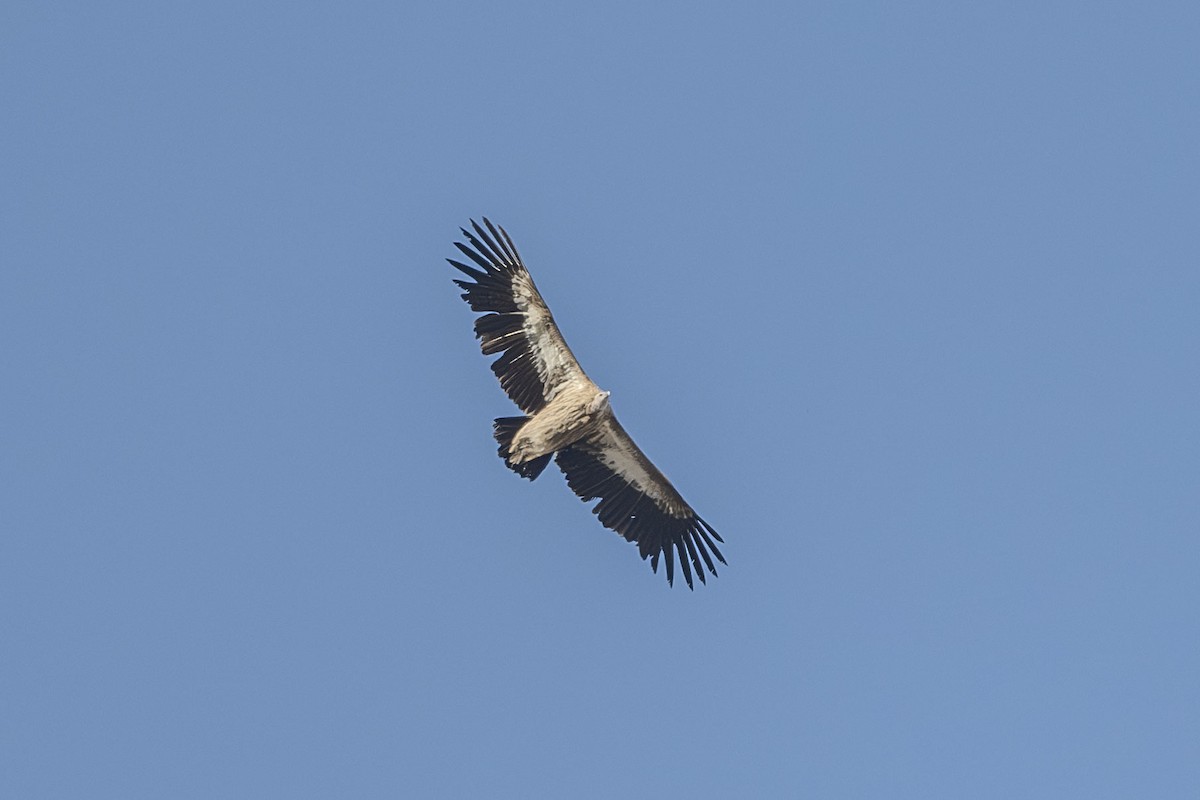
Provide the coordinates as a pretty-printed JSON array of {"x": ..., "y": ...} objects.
[{"x": 569, "y": 417}]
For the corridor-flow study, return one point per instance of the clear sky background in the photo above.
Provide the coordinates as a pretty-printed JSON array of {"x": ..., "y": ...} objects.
[{"x": 904, "y": 298}]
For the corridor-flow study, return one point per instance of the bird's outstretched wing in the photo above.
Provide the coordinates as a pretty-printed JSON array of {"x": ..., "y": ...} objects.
[
  {"x": 535, "y": 361},
  {"x": 638, "y": 502}
]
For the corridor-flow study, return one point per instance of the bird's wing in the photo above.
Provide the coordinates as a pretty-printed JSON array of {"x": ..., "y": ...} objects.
[
  {"x": 638, "y": 502},
  {"x": 535, "y": 361}
]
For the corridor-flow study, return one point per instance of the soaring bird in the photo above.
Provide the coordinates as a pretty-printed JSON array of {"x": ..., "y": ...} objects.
[{"x": 568, "y": 417}]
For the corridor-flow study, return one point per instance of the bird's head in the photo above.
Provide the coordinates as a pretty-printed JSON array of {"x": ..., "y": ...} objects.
[{"x": 599, "y": 403}]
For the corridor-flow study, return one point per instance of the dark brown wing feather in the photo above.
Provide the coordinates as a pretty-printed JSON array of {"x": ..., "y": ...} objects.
[
  {"x": 535, "y": 360},
  {"x": 638, "y": 502}
]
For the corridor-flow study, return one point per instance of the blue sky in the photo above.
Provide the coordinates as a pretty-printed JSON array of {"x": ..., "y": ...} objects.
[{"x": 903, "y": 298}]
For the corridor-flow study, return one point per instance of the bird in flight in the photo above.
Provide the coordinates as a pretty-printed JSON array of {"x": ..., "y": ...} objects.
[{"x": 568, "y": 417}]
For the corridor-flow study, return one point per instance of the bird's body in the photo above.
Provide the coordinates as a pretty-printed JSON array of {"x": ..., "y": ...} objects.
[
  {"x": 572, "y": 414},
  {"x": 568, "y": 417}
]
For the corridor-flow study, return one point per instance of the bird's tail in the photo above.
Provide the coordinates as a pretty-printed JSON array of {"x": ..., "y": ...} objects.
[{"x": 505, "y": 429}]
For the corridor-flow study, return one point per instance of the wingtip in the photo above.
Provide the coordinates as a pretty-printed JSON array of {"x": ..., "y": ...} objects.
[
  {"x": 709, "y": 528},
  {"x": 685, "y": 564}
]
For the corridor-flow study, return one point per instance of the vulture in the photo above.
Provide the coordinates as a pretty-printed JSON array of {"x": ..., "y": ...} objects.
[{"x": 568, "y": 417}]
